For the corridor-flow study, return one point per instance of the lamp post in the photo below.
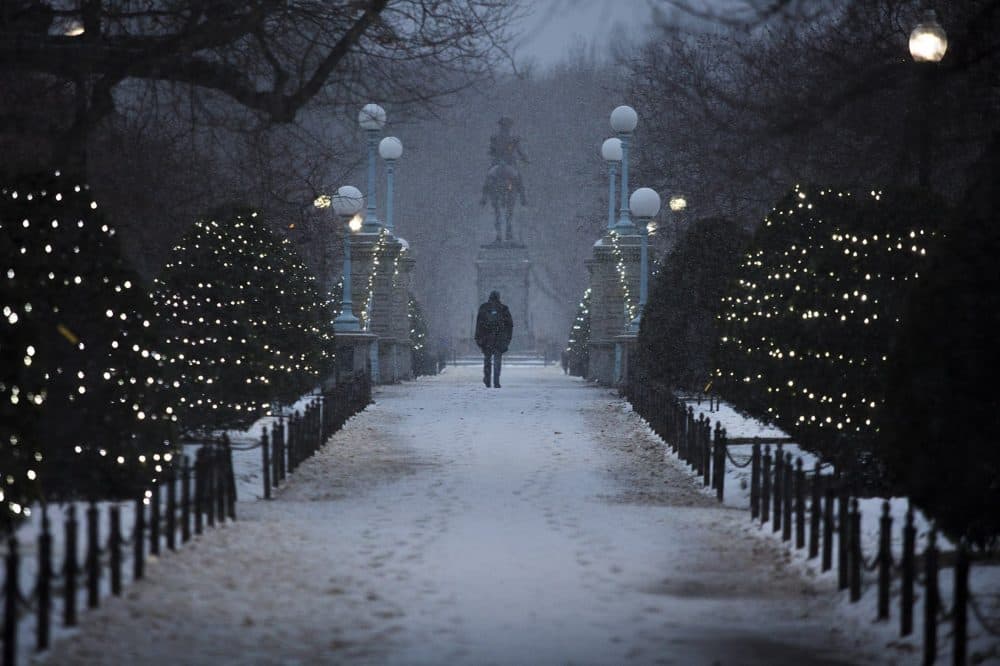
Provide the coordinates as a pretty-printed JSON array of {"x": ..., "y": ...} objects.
[
  {"x": 645, "y": 205},
  {"x": 611, "y": 151},
  {"x": 928, "y": 44},
  {"x": 623, "y": 122},
  {"x": 391, "y": 149},
  {"x": 678, "y": 204},
  {"x": 347, "y": 203},
  {"x": 372, "y": 120}
]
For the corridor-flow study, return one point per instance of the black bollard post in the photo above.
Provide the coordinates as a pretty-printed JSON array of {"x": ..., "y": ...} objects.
[
  {"x": 170, "y": 476},
  {"x": 44, "y": 583},
  {"x": 815, "y": 512},
  {"x": 800, "y": 505},
  {"x": 230, "y": 477},
  {"x": 290, "y": 444},
  {"x": 706, "y": 453},
  {"x": 275, "y": 459},
  {"x": 139, "y": 540},
  {"x": 115, "y": 546},
  {"x": 843, "y": 537},
  {"x": 10, "y": 603},
  {"x": 690, "y": 438},
  {"x": 199, "y": 489},
  {"x": 708, "y": 448},
  {"x": 828, "y": 499},
  {"x": 720, "y": 462},
  {"x": 765, "y": 486},
  {"x": 930, "y": 599},
  {"x": 221, "y": 480},
  {"x": 210, "y": 489},
  {"x": 755, "y": 481},
  {"x": 961, "y": 610},
  {"x": 265, "y": 455},
  {"x": 69, "y": 569},
  {"x": 909, "y": 574},
  {"x": 154, "y": 519},
  {"x": 779, "y": 489},
  {"x": 280, "y": 450},
  {"x": 93, "y": 558},
  {"x": 884, "y": 561},
  {"x": 855, "y": 551},
  {"x": 787, "y": 483},
  {"x": 185, "y": 499}
]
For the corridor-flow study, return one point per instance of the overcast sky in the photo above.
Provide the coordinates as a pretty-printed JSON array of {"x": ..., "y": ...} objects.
[{"x": 552, "y": 26}]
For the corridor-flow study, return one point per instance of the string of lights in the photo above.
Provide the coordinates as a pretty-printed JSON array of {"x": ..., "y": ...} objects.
[
  {"x": 85, "y": 410},
  {"x": 243, "y": 317},
  {"x": 579, "y": 336},
  {"x": 373, "y": 272},
  {"x": 808, "y": 325},
  {"x": 630, "y": 308}
]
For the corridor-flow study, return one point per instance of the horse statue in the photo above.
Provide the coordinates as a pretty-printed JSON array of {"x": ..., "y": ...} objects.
[
  {"x": 503, "y": 179},
  {"x": 501, "y": 188}
]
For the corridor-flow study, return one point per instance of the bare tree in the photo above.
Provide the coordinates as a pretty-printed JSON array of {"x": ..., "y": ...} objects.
[
  {"x": 270, "y": 57},
  {"x": 788, "y": 90}
]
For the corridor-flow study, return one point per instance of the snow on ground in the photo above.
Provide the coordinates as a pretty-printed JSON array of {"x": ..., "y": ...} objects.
[
  {"x": 449, "y": 523},
  {"x": 984, "y": 581},
  {"x": 249, "y": 484}
]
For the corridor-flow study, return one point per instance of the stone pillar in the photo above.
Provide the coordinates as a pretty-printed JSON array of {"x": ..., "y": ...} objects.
[
  {"x": 609, "y": 317},
  {"x": 504, "y": 266},
  {"x": 354, "y": 355},
  {"x": 401, "y": 352},
  {"x": 381, "y": 300}
]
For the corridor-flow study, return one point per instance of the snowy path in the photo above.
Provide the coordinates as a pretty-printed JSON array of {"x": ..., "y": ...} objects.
[{"x": 449, "y": 523}]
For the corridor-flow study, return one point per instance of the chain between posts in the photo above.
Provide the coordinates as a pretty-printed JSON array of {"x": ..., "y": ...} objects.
[{"x": 780, "y": 493}]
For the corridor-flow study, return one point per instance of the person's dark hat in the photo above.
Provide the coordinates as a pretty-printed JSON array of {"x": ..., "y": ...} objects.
[{"x": 494, "y": 295}]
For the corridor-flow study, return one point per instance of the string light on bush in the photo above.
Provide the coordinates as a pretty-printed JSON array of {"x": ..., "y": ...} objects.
[
  {"x": 247, "y": 336},
  {"x": 95, "y": 381},
  {"x": 809, "y": 323}
]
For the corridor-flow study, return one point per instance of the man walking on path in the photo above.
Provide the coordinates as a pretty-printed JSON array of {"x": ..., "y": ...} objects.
[{"x": 494, "y": 327}]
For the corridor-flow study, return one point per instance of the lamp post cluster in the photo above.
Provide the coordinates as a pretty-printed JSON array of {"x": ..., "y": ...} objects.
[
  {"x": 643, "y": 204},
  {"x": 374, "y": 344},
  {"x": 348, "y": 202}
]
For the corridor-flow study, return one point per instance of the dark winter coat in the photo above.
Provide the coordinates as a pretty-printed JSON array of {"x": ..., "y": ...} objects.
[{"x": 494, "y": 327}]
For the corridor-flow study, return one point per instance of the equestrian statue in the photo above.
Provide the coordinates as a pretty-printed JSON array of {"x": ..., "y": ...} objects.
[{"x": 503, "y": 179}]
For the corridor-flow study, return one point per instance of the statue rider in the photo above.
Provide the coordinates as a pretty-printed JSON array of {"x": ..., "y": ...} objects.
[{"x": 505, "y": 150}]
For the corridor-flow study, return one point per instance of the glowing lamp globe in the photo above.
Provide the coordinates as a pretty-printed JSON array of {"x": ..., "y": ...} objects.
[
  {"x": 678, "y": 203},
  {"x": 371, "y": 117},
  {"x": 928, "y": 41},
  {"x": 347, "y": 201},
  {"x": 644, "y": 203},
  {"x": 390, "y": 148},
  {"x": 611, "y": 150},
  {"x": 624, "y": 119}
]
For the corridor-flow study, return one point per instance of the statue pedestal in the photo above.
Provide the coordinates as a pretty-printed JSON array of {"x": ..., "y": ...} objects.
[{"x": 505, "y": 267}]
